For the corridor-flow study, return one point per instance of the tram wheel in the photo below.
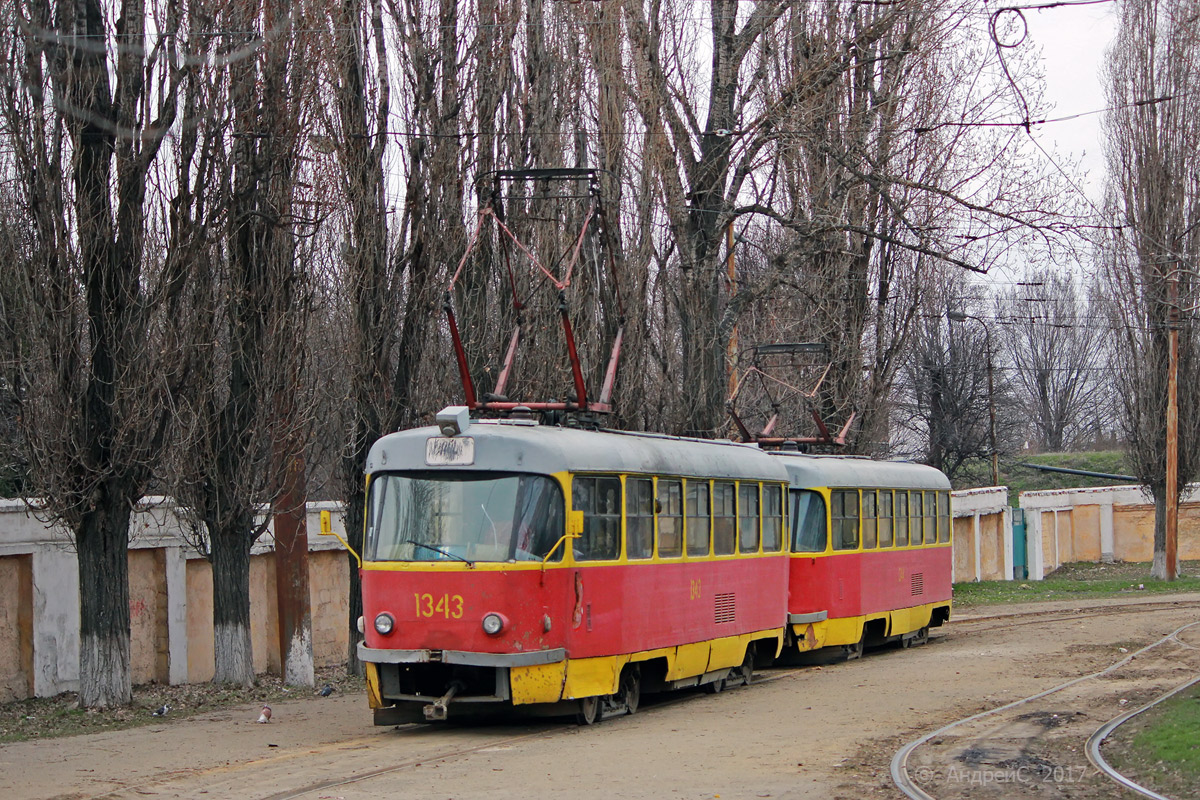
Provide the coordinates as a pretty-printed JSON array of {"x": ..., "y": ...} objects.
[
  {"x": 855, "y": 650},
  {"x": 589, "y": 711},
  {"x": 918, "y": 638},
  {"x": 631, "y": 688},
  {"x": 745, "y": 673},
  {"x": 715, "y": 686}
]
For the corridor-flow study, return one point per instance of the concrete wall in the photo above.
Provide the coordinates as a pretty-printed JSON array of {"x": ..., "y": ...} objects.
[
  {"x": 170, "y": 602},
  {"x": 982, "y": 535},
  {"x": 1102, "y": 524}
]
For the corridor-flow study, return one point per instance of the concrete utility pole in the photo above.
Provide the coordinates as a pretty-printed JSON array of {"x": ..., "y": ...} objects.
[
  {"x": 961, "y": 316},
  {"x": 1172, "y": 497}
]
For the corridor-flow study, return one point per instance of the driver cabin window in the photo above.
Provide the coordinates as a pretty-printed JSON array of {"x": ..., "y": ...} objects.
[{"x": 809, "y": 529}]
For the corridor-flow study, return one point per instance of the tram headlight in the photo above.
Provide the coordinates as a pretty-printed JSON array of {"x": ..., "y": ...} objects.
[
  {"x": 493, "y": 623},
  {"x": 362, "y": 624},
  {"x": 384, "y": 623}
]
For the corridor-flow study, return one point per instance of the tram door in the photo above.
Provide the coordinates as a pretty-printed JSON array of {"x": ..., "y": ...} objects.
[{"x": 1020, "y": 567}]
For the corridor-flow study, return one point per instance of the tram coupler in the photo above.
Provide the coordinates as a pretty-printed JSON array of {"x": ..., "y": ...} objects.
[{"x": 438, "y": 710}]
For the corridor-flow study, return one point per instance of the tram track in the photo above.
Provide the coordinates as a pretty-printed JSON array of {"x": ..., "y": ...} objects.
[
  {"x": 660, "y": 704},
  {"x": 1019, "y": 618},
  {"x": 899, "y": 766},
  {"x": 1093, "y": 745}
]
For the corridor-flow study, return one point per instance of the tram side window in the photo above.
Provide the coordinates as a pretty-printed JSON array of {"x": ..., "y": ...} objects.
[
  {"x": 670, "y": 519},
  {"x": 930, "y": 517},
  {"x": 915, "y": 510},
  {"x": 869, "y": 520},
  {"x": 772, "y": 518},
  {"x": 845, "y": 519},
  {"x": 901, "y": 518},
  {"x": 639, "y": 518},
  {"x": 748, "y": 524},
  {"x": 809, "y": 533},
  {"x": 884, "y": 507},
  {"x": 600, "y": 501},
  {"x": 698, "y": 518},
  {"x": 943, "y": 517},
  {"x": 724, "y": 504}
]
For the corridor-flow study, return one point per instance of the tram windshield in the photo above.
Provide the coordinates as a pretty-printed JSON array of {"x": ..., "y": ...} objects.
[{"x": 462, "y": 516}]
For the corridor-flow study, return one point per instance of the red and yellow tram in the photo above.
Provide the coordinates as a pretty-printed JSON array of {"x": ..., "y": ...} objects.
[
  {"x": 871, "y": 557},
  {"x": 508, "y": 563}
]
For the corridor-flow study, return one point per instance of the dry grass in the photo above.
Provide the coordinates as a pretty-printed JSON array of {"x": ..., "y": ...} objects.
[{"x": 48, "y": 717}]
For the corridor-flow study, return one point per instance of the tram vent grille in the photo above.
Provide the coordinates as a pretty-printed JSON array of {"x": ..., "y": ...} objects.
[
  {"x": 918, "y": 583},
  {"x": 724, "y": 608}
]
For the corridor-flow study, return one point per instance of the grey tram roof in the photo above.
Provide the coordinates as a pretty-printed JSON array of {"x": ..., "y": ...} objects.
[
  {"x": 806, "y": 470},
  {"x": 511, "y": 446}
]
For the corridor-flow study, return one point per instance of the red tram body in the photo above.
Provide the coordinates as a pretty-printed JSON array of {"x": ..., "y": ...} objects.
[
  {"x": 509, "y": 564},
  {"x": 880, "y": 569}
]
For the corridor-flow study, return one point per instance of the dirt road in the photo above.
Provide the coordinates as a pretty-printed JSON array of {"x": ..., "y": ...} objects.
[{"x": 814, "y": 732}]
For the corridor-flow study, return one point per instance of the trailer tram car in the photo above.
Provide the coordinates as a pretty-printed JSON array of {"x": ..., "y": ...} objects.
[
  {"x": 871, "y": 557},
  {"x": 509, "y": 564}
]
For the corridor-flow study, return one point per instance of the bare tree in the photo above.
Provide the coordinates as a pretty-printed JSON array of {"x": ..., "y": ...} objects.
[
  {"x": 243, "y": 424},
  {"x": 1055, "y": 345},
  {"x": 1150, "y": 253},
  {"x": 946, "y": 400},
  {"x": 862, "y": 134},
  {"x": 96, "y": 357}
]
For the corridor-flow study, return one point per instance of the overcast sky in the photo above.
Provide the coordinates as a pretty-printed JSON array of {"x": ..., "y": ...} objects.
[{"x": 1073, "y": 40}]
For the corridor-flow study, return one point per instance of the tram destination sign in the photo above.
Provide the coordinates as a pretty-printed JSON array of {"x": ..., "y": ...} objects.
[{"x": 457, "y": 451}]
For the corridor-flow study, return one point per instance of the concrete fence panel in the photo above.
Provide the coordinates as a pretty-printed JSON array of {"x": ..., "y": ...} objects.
[{"x": 170, "y": 601}]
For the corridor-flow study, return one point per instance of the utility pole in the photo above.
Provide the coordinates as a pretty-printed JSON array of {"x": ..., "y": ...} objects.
[{"x": 1172, "y": 492}]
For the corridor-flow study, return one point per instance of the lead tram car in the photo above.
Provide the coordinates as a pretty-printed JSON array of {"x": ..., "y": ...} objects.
[{"x": 509, "y": 564}]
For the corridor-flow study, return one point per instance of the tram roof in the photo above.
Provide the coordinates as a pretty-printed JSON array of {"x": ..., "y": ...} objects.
[
  {"x": 509, "y": 446},
  {"x": 810, "y": 470}
]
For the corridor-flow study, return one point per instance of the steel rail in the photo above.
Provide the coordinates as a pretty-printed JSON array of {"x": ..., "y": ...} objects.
[
  {"x": 1106, "y": 730},
  {"x": 669, "y": 701},
  {"x": 1082, "y": 612},
  {"x": 899, "y": 765}
]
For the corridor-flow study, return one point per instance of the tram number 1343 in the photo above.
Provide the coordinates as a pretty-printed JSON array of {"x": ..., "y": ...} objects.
[{"x": 449, "y": 606}]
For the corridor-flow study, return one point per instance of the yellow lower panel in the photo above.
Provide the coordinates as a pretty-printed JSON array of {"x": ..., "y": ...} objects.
[
  {"x": 542, "y": 683},
  {"x": 844, "y": 630},
  {"x": 690, "y": 660},
  {"x": 848, "y": 630},
  {"x": 907, "y": 620},
  {"x": 728, "y": 652},
  {"x": 588, "y": 677},
  {"x": 374, "y": 696}
]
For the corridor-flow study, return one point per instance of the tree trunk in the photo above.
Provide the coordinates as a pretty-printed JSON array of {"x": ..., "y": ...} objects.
[
  {"x": 1158, "y": 568},
  {"x": 102, "y": 543},
  {"x": 231, "y": 604}
]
